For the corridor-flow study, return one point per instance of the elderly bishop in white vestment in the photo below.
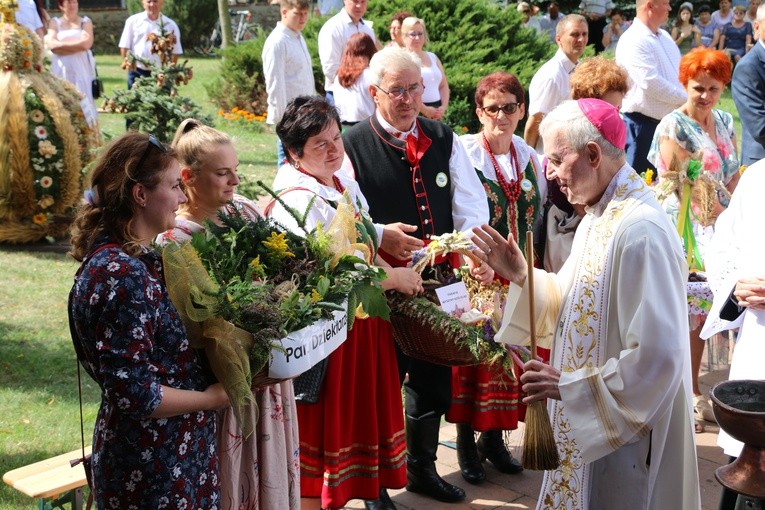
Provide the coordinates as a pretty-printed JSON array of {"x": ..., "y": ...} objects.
[{"x": 617, "y": 316}]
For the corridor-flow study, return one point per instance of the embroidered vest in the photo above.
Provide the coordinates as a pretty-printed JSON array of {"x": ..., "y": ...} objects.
[
  {"x": 388, "y": 182},
  {"x": 527, "y": 206}
]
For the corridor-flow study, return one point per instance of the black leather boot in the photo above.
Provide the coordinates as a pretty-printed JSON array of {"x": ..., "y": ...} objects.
[
  {"x": 421, "y": 446},
  {"x": 383, "y": 503},
  {"x": 491, "y": 446},
  {"x": 467, "y": 455}
]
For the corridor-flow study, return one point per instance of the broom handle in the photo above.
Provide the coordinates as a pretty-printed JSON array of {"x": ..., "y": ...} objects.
[{"x": 530, "y": 278}]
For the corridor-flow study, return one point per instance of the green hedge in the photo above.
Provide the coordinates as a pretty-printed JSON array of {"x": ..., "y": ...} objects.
[{"x": 471, "y": 37}]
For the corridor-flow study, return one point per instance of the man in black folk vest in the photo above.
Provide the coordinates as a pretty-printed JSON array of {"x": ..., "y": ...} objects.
[{"x": 414, "y": 170}]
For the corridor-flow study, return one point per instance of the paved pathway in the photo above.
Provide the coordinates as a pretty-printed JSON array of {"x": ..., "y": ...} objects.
[{"x": 520, "y": 491}]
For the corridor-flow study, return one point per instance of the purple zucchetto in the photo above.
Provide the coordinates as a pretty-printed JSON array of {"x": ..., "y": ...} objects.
[{"x": 606, "y": 119}]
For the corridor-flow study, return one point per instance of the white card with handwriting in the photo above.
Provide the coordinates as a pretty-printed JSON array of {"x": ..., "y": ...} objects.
[{"x": 454, "y": 299}]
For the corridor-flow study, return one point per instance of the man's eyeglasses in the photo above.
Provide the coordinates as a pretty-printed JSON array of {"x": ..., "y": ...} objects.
[
  {"x": 399, "y": 92},
  {"x": 153, "y": 142},
  {"x": 415, "y": 35},
  {"x": 507, "y": 109}
]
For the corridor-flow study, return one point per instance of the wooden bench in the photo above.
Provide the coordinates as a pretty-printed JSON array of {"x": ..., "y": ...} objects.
[{"x": 53, "y": 482}]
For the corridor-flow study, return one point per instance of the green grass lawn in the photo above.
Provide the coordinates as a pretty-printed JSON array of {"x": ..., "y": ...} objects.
[
  {"x": 39, "y": 405},
  {"x": 257, "y": 151}
]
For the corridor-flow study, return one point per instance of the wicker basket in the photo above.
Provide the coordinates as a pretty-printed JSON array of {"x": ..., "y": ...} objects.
[
  {"x": 261, "y": 379},
  {"x": 425, "y": 339}
]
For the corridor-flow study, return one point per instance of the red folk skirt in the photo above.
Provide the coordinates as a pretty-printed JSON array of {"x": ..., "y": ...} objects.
[
  {"x": 352, "y": 441},
  {"x": 487, "y": 400}
]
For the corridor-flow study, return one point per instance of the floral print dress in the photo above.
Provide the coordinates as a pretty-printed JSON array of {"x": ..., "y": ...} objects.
[
  {"x": 719, "y": 159},
  {"x": 131, "y": 341},
  {"x": 262, "y": 471}
]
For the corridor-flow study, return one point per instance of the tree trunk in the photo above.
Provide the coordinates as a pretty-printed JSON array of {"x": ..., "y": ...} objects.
[{"x": 227, "y": 35}]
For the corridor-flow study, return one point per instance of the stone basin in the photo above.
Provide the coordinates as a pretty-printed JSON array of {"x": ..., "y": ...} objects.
[{"x": 739, "y": 408}]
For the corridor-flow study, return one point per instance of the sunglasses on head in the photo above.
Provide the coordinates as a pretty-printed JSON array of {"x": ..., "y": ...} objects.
[{"x": 152, "y": 142}]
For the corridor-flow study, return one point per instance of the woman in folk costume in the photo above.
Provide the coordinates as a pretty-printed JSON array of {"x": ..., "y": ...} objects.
[
  {"x": 352, "y": 441},
  {"x": 508, "y": 169},
  {"x": 260, "y": 470}
]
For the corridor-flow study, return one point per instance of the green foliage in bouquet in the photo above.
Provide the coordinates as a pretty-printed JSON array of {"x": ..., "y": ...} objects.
[
  {"x": 243, "y": 284},
  {"x": 153, "y": 104},
  {"x": 273, "y": 281}
]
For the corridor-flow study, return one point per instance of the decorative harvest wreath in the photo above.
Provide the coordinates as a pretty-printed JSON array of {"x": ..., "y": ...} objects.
[{"x": 45, "y": 142}]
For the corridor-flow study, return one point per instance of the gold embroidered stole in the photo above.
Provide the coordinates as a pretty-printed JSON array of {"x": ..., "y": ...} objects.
[{"x": 580, "y": 341}]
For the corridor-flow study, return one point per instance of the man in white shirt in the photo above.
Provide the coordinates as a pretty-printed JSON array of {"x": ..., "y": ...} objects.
[
  {"x": 28, "y": 16},
  {"x": 334, "y": 34},
  {"x": 287, "y": 63},
  {"x": 134, "y": 38},
  {"x": 549, "y": 86},
  {"x": 733, "y": 263},
  {"x": 652, "y": 60}
]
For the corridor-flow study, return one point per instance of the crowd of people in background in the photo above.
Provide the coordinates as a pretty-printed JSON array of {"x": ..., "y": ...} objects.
[
  {"x": 596, "y": 130},
  {"x": 665, "y": 79}
]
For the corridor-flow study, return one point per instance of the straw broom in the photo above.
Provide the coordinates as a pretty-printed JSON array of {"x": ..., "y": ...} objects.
[{"x": 539, "y": 450}]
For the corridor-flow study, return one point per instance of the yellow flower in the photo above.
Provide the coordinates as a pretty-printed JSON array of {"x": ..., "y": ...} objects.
[
  {"x": 278, "y": 243},
  {"x": 648, "y": 176},
  {"x": 258, "y": 271},
  {"x": 40, "y": 219},
  {"x": 315, "y": 296}
]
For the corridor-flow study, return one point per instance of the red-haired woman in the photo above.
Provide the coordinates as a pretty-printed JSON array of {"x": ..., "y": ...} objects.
[
  {"x": 698, "y": 131},
  {"x": 352, "y": 97},
  {"x": 509, "y": 171}
]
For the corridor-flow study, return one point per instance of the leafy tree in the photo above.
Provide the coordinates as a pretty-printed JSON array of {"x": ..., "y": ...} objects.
[{"x": 241, "y": 82}]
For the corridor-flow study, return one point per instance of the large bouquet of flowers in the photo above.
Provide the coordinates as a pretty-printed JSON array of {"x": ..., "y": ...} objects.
[
  {"x": 423, "y": 330},
  {"x": 243, "y": 285}
]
